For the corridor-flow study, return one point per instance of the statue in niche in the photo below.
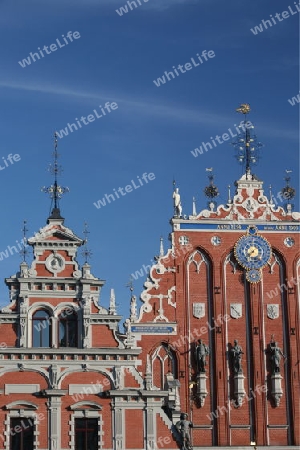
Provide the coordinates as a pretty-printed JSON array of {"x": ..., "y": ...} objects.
[
  {"x": 23, "y": 306},
  {"x": 275, "y": 357},
  {"x": 183, "y": 427},
  {"x": 237, "y": 353},
  {"x": 22, "y": 331},
  {"x": 202, "y": 351},
  {"x": 177, "y": 203},
  {"x": 86, "y": 326},
  {"x": 53, "y": 374}
]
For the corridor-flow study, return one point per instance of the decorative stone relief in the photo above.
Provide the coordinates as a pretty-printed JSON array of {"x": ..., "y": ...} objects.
[
  {"x": 273, "y": 311},
  {"x": 199, "y": 310}
]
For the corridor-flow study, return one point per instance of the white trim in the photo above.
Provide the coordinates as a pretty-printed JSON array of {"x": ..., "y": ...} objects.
[
  {"x": 25, "y": 414},
  {"x": 21, "y": 388},
  {"x": 86, "y": 413}
]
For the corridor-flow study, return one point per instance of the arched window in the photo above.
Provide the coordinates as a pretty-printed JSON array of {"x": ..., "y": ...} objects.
[
  {"x": 41, "y": 329},
  {"x": 163, "y": 361},
  {"x": 67, "y": 329}
]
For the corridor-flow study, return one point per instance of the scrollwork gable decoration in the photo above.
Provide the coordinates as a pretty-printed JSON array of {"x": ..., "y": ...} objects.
[{"x": 248, "y": 203}]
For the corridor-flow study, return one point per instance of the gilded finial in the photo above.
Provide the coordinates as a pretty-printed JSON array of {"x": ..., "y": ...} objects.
[{"x": 244, "y": 108}]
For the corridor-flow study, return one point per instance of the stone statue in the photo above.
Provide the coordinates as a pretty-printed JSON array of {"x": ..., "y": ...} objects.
[
  {"x": 237, "y": 353},
  {"x": 53, "y": 373},
  {"x": 22, "y": 331},
  {"x": 275, "y": 357},
  {"x": 202, "y": 351},
  {"x": 86, "y": 325},
  {"x": 133, "y": 310},
  {"x": 177, "y": 203},
  {"x": 183, "y": 427}
]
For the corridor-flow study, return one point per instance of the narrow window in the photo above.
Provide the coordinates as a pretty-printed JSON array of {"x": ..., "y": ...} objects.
[
  {"x": 41, "y": 331},
  {"x": 86, "y": 434},
  {"x": 21, "y": 434},
  {"x": 67, "y": 330}
]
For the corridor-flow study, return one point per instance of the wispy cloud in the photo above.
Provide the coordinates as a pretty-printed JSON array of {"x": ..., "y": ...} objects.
[
  {"x": 153, "y": 4},
  {"x": 146, "y": 106},
  {"x": 140, "y": 105}
]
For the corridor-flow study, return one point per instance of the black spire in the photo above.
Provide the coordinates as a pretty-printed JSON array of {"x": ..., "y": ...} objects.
[
  {"x": 55, "y": 191},
  {"x": 24, "y": 251},
  {"x": 86, "y": 253},
  {"x": 247, "y": 145}
]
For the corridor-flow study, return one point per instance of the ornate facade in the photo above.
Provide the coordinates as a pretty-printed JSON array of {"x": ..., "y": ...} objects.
[{"x": 216, "y": 337}]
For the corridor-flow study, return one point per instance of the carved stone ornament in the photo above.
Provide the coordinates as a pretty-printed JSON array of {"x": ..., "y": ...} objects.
[
  {"x": 216, "y": 240},
  {"x": 199, "y": 310},
  {"x": 273, "y": 311},
  {"x": 55, "y": 263}
]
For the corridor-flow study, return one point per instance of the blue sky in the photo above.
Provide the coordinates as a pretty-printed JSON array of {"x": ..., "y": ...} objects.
[{"x": 154, "y": 128}]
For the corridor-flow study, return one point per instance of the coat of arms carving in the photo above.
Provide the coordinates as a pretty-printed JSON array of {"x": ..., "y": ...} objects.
[
  {"x": 198, "y": 310},
  {"x": 236, "y": 310},
  {"x": 273, "y": 311}
]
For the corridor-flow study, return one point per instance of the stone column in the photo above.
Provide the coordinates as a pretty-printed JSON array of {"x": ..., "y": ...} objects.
[
  {"x": 119, "y": 432},
  {"x": 54, "y": 408},
  {"x": 150, "y": 429}
]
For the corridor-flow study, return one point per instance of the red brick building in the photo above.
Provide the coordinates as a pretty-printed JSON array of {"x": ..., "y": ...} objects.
[{"x": 70, "y": 379}]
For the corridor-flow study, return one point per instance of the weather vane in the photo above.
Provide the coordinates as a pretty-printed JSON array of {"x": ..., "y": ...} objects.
[
  {"x": 247, "y": 146},
  {"x": 288, "y": 192},
  {"x": 244, "y": 108},
  {"x": 86, "y": 253},
  {"x": 130, "y": 285},
  {"x": 211, "y": 191},
  {"x": 24, "y": 251},
  {"x": 55, "y": 191}
]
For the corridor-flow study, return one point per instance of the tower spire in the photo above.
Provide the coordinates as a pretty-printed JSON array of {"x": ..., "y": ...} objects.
[
  {"x": 86, "y": 252},
  {"x": 24, "y": 250},
  {"x": 247, "y": 146},
  {"x": 55, "y": 191}
]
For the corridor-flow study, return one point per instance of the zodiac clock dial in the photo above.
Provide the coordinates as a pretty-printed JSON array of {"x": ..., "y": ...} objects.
[
  {"x": 253, "y": 275},
  {"x": 252, "y": 251}
]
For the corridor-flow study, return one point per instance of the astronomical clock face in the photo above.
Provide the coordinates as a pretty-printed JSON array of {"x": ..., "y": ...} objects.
[{"x": 252, "y": 251}]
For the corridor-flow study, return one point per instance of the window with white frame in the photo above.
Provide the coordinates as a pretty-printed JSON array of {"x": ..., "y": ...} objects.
[
  {"x": 21, "y": 426},
  {"x": 86, "y": 434},
  {"x": 21, "y": 433},
  {"x": 41, "y": 329},
  {"x": 86, "y": 426}
]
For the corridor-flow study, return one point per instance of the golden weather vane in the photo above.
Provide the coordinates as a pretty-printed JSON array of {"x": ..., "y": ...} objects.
[{"x": 244, "y": 108}]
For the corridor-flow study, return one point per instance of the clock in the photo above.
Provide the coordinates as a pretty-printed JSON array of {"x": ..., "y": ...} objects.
[
  {"x": 253, "y": 275},
  {"x": 252, "y": 251}
]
